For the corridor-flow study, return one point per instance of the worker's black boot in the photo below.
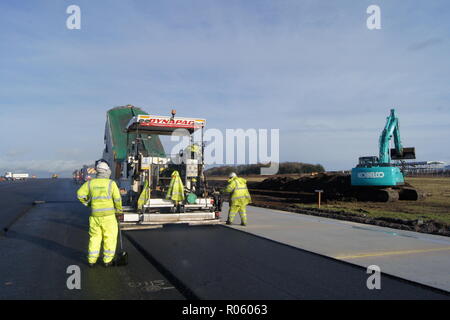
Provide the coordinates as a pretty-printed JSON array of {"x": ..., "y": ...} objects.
[
  {"x": 91, "y": 265},
  {"x": 243, "y": 224},
  {"x": 228, "y": 222},
  {"x": 108, "y": 264}
]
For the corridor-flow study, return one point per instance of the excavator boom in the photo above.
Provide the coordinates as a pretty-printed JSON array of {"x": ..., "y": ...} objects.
[{"x": 392, "y": 129}]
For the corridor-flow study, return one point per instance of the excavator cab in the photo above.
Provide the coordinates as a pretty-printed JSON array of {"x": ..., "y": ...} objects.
[
  {"x": 368, "y": 161},
  {"x": 408, "y": 154}
]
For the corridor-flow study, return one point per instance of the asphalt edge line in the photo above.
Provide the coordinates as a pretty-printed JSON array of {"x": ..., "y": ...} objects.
[
  {"x": 24, "y": 211},
  {"x": 177, "y": 283},
  {"x": 5, "y": 229}
]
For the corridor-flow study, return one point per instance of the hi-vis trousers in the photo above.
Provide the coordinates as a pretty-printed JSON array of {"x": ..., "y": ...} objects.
[
  {"x": 102, "y": 229},
  {"x": 235, "y": 209}
]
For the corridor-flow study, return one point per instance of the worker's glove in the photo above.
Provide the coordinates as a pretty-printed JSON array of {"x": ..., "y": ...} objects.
[{"x": 119, "y": 216}]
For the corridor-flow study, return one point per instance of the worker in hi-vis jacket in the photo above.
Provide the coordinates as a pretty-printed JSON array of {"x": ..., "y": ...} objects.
[
  {"x": 239, "y": 198},
  {"x": 103, "y": 196},
  {"x": 175, "y": 192}
]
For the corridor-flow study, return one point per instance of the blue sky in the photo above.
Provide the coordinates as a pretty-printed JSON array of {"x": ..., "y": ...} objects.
[{"x": 310, "y": 68}]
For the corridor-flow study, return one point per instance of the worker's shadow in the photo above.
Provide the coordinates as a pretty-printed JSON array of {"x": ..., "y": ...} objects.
[{"x": 69, "y": 253}]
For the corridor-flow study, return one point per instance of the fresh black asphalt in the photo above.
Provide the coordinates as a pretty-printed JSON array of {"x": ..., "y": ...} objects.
[{"x": 43, "y": 242}]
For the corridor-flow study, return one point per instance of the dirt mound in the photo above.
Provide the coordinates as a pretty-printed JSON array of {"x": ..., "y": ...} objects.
[
  {"x": 335, "y": 185},
  {"x": 274, "y": 183}
]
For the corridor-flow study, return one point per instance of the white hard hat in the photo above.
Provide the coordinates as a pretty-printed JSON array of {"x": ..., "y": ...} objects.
[
  {"x": 102, "y": 167},
  {"x": 232, "y": 175}
]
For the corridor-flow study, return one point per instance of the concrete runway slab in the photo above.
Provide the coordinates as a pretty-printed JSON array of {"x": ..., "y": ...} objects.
[{"x": 414, "y": 256}]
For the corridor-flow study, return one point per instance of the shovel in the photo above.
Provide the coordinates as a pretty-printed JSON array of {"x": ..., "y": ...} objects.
[
  {"x": 121, "y": 256},
  {"x": 408, "y": 153}
]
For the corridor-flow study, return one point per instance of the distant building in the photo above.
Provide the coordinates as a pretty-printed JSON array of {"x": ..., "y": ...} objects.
[{"x": 425, "y": 167}]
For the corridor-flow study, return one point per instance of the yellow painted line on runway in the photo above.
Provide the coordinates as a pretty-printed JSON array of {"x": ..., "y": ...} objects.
[{"x": 389, "y": 253}]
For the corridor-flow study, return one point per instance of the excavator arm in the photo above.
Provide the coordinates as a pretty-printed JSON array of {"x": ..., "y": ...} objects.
[{"x": 390, "y": 130}]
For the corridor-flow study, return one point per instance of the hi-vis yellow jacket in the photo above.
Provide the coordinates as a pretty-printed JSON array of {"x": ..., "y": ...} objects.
[
  {"x": 144, "y": 196},
  {"x": 239, "y": 192},
  {"x": 102, "y": 195},
  {"x": 176, "y": 188}
]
